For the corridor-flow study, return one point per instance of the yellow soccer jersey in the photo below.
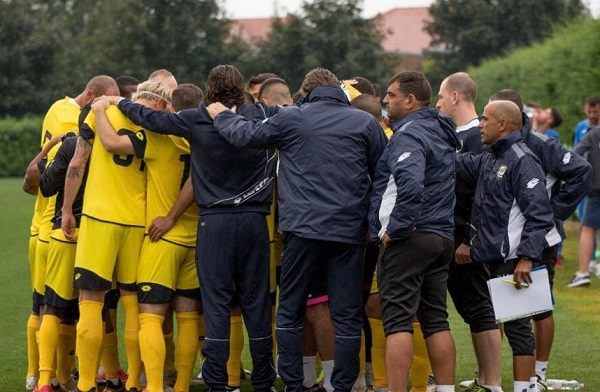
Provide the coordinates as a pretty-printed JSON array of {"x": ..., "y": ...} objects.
[
  {"x": 168, "y": 163},
  {"x": 62, "y": 117},
  {"x": 116, "y": 185}
]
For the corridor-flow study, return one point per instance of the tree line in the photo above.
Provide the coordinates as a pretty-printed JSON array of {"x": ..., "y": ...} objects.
[{"x": 50, "y": 48}]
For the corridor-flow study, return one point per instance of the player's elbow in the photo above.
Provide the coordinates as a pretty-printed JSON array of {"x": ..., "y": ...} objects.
[{"x": 29, "y": 187}]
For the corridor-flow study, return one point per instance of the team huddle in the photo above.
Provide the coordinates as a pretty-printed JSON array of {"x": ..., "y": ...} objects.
[{"x": 334, "y": 232}]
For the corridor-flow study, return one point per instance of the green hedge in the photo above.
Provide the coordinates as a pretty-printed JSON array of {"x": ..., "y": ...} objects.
[
  {"x": 19, "y": 143},
  {"x": 561, "y": 72}
]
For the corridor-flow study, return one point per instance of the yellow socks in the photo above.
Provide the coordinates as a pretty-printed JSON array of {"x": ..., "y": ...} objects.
[
  {"x": 420, "y": 368},
  {"x": 378, "y": 353},
  {"x": 187, "y": 347},
  {"x": 48, "y": 336},
  {"x": 110, "y": 355},
  {"x": 236, "y": 344},
  {"x": 153, "y": 349},
  {"x": 90, "y": 331},
  {"x": 33, "y": 354},
  {"x": 65, "y": 352},
  {"x": 132, "y": 343}
]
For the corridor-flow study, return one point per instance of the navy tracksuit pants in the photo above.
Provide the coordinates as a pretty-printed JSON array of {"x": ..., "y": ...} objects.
[
  {"x": 343, "y": 264},
  {"x": 233, "y": 251}
]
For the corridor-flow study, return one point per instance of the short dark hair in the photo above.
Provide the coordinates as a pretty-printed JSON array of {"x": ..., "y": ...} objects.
[
  {"x": 187, "y": 96},
  {"x": 368, "y": 103},
  {"x": 125, "y": 81},
  {"x": 592, "y": 101},
  {"x": 364, "y": 85},
  {"x": 225, "y": 84},
  {"x": 557, "y": 118},
  {"x": 264, "y": 87},
  {"x": 415, "y": 83},
  {"x": 319, "y": 77},
  {"x": 508, "y": 95},
  {"x": 260, "y": 78}
]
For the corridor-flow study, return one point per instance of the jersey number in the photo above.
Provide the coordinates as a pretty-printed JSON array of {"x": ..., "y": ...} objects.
[{"x": 125, "y": 160}]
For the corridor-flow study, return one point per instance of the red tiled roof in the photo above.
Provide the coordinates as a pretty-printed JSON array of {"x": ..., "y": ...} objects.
[
  {"x": 252, "y": 30},
  {"x": 406, "y": 30}
]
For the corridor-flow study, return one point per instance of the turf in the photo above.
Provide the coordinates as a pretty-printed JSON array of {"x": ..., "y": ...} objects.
[{"x": 576, "y": 352}]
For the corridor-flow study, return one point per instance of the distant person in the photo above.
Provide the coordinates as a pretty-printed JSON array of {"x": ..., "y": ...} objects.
[
  {"x": 256, "y": 81},
  {"x": 127, "y": 85}
]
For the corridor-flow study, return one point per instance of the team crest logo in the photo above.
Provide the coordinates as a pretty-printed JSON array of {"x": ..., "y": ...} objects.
[
  {"x": 146, "y": 288},
  {"x": 140, "y": 135},
  {"x": 501, "y": 170},
  {"x": 77, "y": 276},
  {"x": 566, "y": 158}
]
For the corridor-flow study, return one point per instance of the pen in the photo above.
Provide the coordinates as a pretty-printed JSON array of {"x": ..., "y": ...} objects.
[{"x": 514, "y": 283}]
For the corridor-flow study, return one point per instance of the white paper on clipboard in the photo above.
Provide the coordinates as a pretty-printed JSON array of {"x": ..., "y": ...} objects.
[{"x": 512, "y": 304}]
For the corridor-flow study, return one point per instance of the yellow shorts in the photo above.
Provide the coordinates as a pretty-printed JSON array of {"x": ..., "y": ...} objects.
[
  {"x": 374, "y": 287},
  {"x": 40, "y": 265},
  {"x": 106, "y": 250},
  {"x": 164, "y": 269},
  {"x": 32, "y": 246},
  {"x": 59, "y": 270}
]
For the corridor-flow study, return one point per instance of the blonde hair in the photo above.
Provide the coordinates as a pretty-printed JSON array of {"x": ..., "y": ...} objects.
[{"x": 153, "y": 90}]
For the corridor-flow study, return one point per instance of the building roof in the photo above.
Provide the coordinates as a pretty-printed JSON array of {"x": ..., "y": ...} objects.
[
  {"x": 404, "y": 29},
  {"x": 252, "y": 30}
]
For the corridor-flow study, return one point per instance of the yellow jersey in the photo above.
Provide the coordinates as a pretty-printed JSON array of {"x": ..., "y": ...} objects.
[
  {"x": 115, "y": 191},
  {"x": 168, "y": 163},
  {"x": 62, "y": 117}
]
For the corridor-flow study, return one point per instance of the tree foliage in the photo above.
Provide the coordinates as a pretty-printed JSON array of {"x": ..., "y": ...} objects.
[
  {"x": 325, "y": 33},
  {"x": 561, "y": 72},
  {"x": 464, "y": 32},
  {"x": 51, "y": 48}
]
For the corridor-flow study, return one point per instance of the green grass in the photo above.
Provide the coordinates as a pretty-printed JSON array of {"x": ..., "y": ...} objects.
[{"x": 576, "y": 352}]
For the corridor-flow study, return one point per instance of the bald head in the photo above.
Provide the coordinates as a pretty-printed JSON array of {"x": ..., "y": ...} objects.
[
  {"x": 499, "y": 119},
  {"x": 508, "y": 111}
]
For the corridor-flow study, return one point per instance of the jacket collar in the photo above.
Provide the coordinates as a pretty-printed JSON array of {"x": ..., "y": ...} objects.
[
  {"x": 444, "y": 121},
  {"x": 505, "y": 143},
  {"x": 327, "y": 94}
]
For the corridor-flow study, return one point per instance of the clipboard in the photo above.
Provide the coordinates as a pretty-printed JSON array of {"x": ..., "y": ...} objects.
[{"x": 512, "y": 304}]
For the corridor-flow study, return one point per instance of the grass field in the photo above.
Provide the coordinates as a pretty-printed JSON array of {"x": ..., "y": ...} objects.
[{"x": 576, "y": 352}]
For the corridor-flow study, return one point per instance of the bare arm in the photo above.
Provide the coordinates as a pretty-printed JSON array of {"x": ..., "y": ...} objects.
[
  {"x": 31, "y": 180},
  {"x": 73, "y": 181},
  {"x": 111, "y": 140},
  {"x": 162, "y": 224}
]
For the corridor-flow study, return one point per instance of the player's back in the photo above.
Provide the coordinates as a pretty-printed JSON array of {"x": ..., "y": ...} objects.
[{"x": 116, "y": 187}]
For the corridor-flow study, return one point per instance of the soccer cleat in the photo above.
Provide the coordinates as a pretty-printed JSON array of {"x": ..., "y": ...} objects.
[
  {"x": 170, "y": 377},
  {"x": 431, "y": 385},
  {"x": 197, "y": 380},
  {"x": 314, "y": 388},
  {"x": 475, "y": 387},
  {"x": 579, "y": 280},
  {"x": 541, "y": 385},
  {"x": 31, "y": 383},
  {"x": 114, "y": 387}
]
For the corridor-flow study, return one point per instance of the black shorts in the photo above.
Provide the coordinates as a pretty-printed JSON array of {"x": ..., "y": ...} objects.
[{"x": 412, "y": 278}]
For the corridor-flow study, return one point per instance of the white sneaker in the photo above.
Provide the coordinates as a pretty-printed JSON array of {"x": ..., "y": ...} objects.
[
  {"x": 198, "y": 379},
  {"x": 580, "y": 280},
  {"x": 431, "y": 385},
  {"x": 31, "y": 383}
]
